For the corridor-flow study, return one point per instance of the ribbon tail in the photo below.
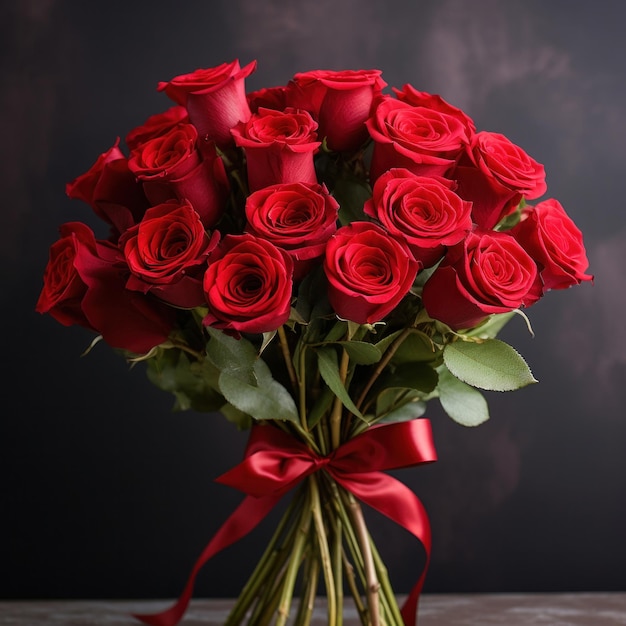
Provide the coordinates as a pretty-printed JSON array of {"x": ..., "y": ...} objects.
[
  {"x": 243, "y": 520},
  {"x": 397, "y": 502}
]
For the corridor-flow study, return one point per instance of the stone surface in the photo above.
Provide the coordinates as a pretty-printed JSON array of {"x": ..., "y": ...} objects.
[{"x": 583, "y": 609}]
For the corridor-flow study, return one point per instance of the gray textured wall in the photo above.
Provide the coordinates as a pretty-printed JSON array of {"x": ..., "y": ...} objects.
[{"x": 106, "y": 493}]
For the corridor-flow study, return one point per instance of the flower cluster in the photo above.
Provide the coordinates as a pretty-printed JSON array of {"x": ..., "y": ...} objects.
[
  {"x": 315, "y": 261},
  {"x": 228, "y": 200}
]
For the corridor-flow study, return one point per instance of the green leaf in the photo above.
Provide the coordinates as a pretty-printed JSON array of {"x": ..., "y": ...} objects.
[
  {"x": 398, "y": 404},
  {"x": 464, "y": 404},
  {"x": 417, "y": 347},
  {"x": 492, "y": 365},
  {"x": 362, "y": 352},
  {"x": 320, "y": 407},
  {"x": 269, "y": 401},
  {"x": 193, "y": 383},
  {"x": 242, "y": 420},
  {"x": 328, "y": 364},
  {"x": 235, "y": 356},
  {"x": 418, "y": 376}
]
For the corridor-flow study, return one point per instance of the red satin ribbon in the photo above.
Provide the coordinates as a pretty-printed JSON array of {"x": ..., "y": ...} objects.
[{"x": 275, "y": 462}]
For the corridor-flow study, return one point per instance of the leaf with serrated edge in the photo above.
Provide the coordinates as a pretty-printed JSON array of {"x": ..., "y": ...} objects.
[
  {"x": 464, "y": 404},
  {"x": 492, "y": 365}
]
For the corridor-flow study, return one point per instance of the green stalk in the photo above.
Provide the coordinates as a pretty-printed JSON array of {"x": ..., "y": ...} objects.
[
  {"x": 309, "y": 592},
  {"x": 324, "y": 551},
  {"x": 387, "y": 591},
  {"x": 295, "y": 561},
  {"x": 338, "y": 569},
  {"x": 335, "y": 416},
  {"x": 271, "y": 560}
]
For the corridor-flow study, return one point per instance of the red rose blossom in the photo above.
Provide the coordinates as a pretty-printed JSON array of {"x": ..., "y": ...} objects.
[
  {"x": 112, "y": 190},
  {"x": 156, "y": 125},
  {"x": 171, "y": 167},
  {"x": 422, "y": 210},
  {"x": 248, "y": 286},
  {"x": 550, "y": 236},
  {"x": 341, "y": 102},
  {"x": 495, "y": 174},
  {"x": 267, "y": 98},
  {"x": 488, "y": 272},
  {"x": 416, "y": 98},
  {"x": 279, "y": 147},
  {"x": 296, "y": 217},
  {"x": 215, "y": 99},
  {"x": 368, "y": 272},
  {"x": 422, "y": 140},
  {"x": 167, "y": 254},
  {"x": 84, "y": 284}
]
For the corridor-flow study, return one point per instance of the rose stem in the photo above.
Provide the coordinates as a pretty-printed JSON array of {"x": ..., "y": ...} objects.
[
  {"x": 307, "y": 599},
  {"x": 383, "y": 577},
  {"x": 284, "y": 346},
  {"x": 335, "y": 417},
  {"x": 295, "y": 561},
  {"x": 337, "y": 568},
  {"x": 391, "y": 350},
  {"x": 322, "y": 541},
  {"x": 270, "y": 560},
  {"x": 372, "y": 585}
]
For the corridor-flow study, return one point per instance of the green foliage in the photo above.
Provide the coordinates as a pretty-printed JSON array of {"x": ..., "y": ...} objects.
[
  {"x": 464, "y": 404},
  {"x": 491, "y": 364}
]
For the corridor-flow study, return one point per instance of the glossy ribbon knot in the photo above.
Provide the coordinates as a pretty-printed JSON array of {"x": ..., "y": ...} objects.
[{"x": 275, "y": 462}]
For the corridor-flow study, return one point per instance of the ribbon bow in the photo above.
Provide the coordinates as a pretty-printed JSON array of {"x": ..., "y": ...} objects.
[{"x": 275, "y": 462}]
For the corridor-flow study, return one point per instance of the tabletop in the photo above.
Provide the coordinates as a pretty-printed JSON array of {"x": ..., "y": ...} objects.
[{"x": 567, "y": 609}]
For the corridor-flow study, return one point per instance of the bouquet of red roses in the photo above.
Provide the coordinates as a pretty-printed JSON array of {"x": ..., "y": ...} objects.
[{"x": 315, "y": 261}]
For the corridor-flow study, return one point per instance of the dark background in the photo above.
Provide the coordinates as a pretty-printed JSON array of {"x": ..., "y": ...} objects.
[{"x": 107, "y": 493}]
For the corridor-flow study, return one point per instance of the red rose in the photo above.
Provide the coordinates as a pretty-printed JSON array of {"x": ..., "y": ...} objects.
[
  {"x": 550, "y": 236},
  {"x": 422, "y": 210},
  {"x": 64, "y": 289},
  {"x": 340, "y": 101},
  {"x": 296, "y": 217},
  {"x": 422, "y": 140},
  {"x": 171, "y": 167},
  {"x": 279, "y": 147},
  {"x": 495, "y": 174},
  {"x": 215, "y": 98},
  {"x": 84, "y": 284},
  {"x": 156, "y": 125},
  {"x": 416, "y": 98},
  {"x": 368, "y": 272},
  {"x": 167, "y": 254},
  {"x": 489, "y": 272},
  {"x": 267, "y": 98},
  {"x": 248, "y": 286},
  {"x": 112, "y": 190}
]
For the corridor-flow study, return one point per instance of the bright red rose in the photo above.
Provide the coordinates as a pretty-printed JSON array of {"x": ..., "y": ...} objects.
[
  {"x": 112, "y": 190},
  {"x": 171, "y": 167},
  {"x": 167, "y": 254},
  {"x": 422, "y": 210},
  {"x": 215, "y": 99},
  {"x": 495, "y": 175},
  {"x": 279, "y": 147},
  {"x": 63, "y": 290},
  {"x": 248, "y": 286},
  {"x": 416, "y": 98},
  {"x": 550, "y": 236},
  {"x": 156, "y": 125},
  {"x": 341, "y": 102},
  {"x": 84, "y": 284},
  {"x": 420, "y": 139},
  {"x": 267, "y": 98},
  {"x": 368, "y": 272},
  {"x": 296, "y": 217},
  {"x": 489, "y": 272}
]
